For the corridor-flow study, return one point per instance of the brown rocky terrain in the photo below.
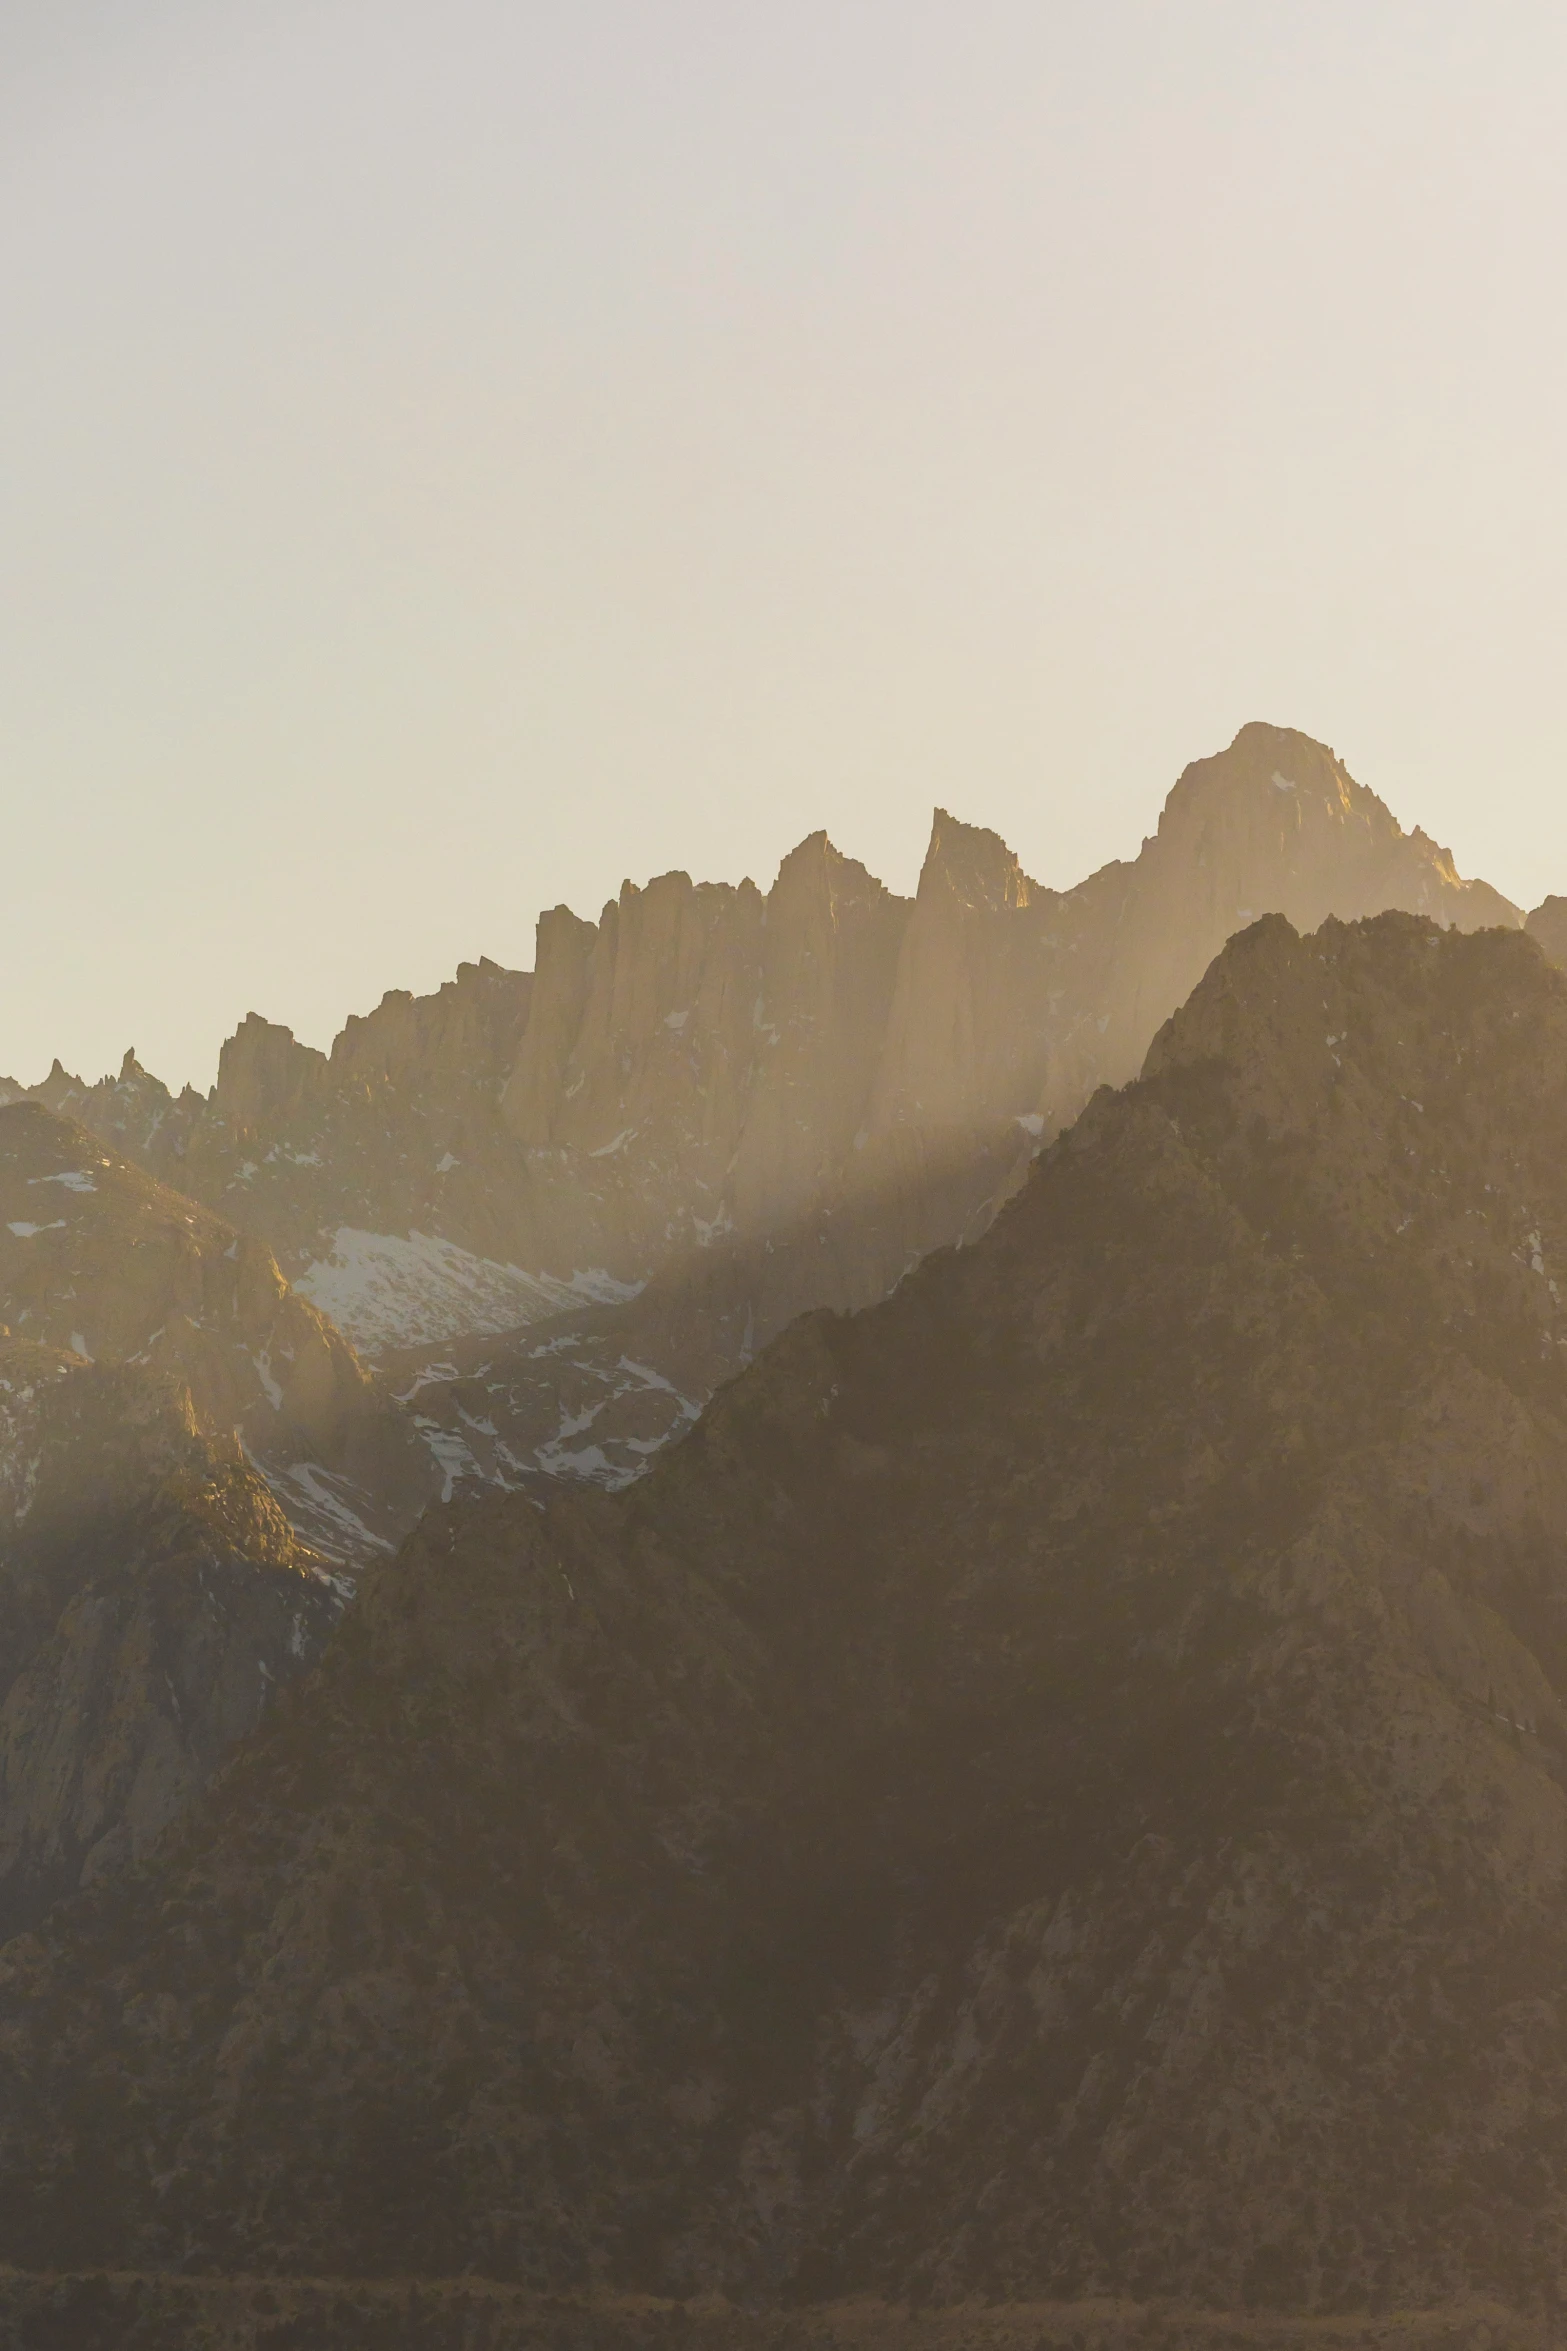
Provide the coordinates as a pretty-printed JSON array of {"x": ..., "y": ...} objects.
[
  {"x": 152, "y": 1595},
  {"x": 395, "y": 1131},
  {"x": 97, "y": 1259},
  {"x": 190, "y": 1459},
  {"x": 1056, "y": 1790},
  {"x": 708, "y": 1063},
  {"x": 745, "y": 1105}
]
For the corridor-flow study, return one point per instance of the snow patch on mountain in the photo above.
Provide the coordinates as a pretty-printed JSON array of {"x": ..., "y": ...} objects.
[
  {"x": 320, "y": 1503},
  {"x": 389, "y": 1290}
]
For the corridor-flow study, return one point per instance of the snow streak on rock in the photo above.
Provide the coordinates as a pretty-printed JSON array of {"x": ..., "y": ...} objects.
[{"x": 383, "y": 1290}]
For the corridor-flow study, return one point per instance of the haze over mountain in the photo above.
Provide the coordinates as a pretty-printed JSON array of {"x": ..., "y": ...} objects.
[
  {"x": 707, "y": 1061},
  {"x": 878, "y": 1853},
  {"x": 1056, "y": 1786},
  {"x": 770, "y": 1102}
]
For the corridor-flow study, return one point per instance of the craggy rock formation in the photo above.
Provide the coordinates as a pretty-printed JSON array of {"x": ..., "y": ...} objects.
[
  {"x": 767, "y": 1052},
  {"x": 1275, "y": 824},
  {"x": 97, "y": 1259},
  {"x": 1057, "y": 1787},
  {"x": 785, "y": 1103},
  {"x": 151, "y": 1596},
  {"x": 167, "y": 1408},
  {"x": 826, "y": 1075},
  {"x": 395, "y": 1132}
]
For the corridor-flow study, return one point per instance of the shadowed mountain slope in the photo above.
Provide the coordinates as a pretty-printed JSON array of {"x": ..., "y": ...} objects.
[
  {"x": 1059, "y": 1785},
  {"x": 152, "y": 1595},
  {"x": 167, "y": 1408}
]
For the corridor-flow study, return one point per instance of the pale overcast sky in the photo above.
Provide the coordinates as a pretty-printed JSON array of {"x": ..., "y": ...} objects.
[{"x": 452, "y": 457}]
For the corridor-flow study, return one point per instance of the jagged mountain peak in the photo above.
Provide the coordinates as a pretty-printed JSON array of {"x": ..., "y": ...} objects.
[
  {"x": 469, "y": 1027},
  {"x": 1394, "y": 1021},
  {"x": 1282, "y": 759},
  {"x": 1277, "y": 795},
  {"x": 974, "y": 865},
  {"x": 816, "y": 864},
  {"x": 59, "y": 1089},
  {"x": 1281, "y": 808},
  {"x": 704, "y": 1061},
  {"x": 264, "y": 1075}
]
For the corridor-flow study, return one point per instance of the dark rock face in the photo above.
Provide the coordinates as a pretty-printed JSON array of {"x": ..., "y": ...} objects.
[
  {"x": 152, "y": 1595},
  {"x": 1058, "y": 1785},
  {"x": 168, "y": 1407}
]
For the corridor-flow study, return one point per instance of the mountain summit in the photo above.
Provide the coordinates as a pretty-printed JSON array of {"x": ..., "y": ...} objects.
[{"x": 708, "y": 1067}]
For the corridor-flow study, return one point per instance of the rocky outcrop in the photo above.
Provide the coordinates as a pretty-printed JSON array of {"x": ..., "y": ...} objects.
[
  {"x": 968, "y": 1035},
  {"x": 152, "y": 1596},
  {"x": 1057, "y": 1788},
  {"x": 190, "y": 1459},
  {"x": 99, "y": 1260}
]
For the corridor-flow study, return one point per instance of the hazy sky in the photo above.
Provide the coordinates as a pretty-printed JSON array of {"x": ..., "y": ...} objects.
[{"x": 452, "y": 457}]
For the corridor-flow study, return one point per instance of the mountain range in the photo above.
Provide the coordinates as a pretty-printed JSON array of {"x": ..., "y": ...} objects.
[
  {"x": 1053, "y": 1790},
  {"x": 762, "y": 1103}
]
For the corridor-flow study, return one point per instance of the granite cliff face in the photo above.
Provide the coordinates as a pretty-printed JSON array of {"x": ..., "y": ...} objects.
[
  {"x": 905, "y": 1061},
  {"x": 714, "y": 1109},
  {"x": 1059, "y": 1785},
  {"x": 790, "y": 1062}
]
